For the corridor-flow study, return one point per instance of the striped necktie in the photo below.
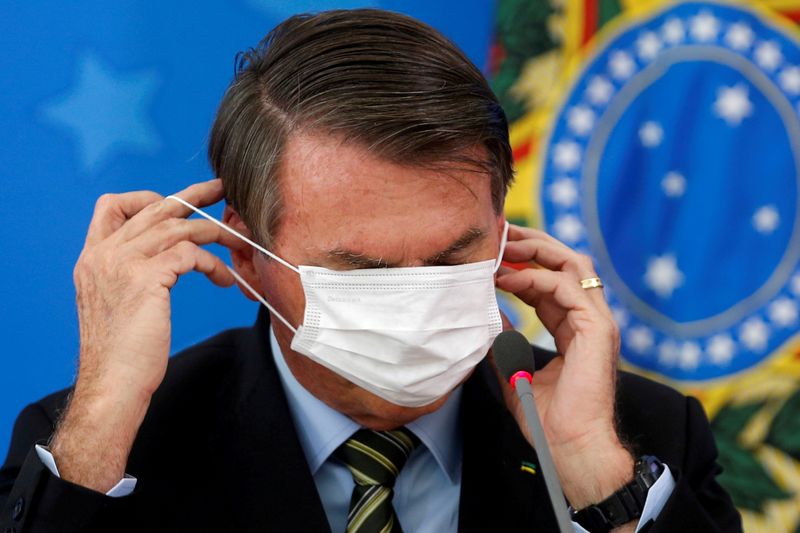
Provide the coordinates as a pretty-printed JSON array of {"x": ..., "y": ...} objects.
[{"x": 375, "y": 458}]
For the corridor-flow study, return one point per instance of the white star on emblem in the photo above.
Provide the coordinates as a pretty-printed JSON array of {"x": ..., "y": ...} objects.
[
  {"x": 640, "y": 339},
  {"x": 108, "y": 112},
  {"x": 672, "y": 31},
  {"x": 795, "y": 284},
  {"x": 580, "y": 120},
  {"x": 768, "y": 55},
  {"x": 754, "y": 334},
  {"x": 648, "y": 45},
  {"x": 733, "y": 104},
  {"x": 721, "y": 349},
  {"x": 673, "y": 184},
  {"x": 690, "y": 356},
  {"x": 599, "y": 90},
  {"x": 564, "y": 192},
  {"x": 663, "y": 276},
  {"x": 668, "y": 353},
  {"x": 568, "y": 229},
  {"x": 566, "y": 155},
  {"x": 766, "y": 219},
  {"x": 789, "y": 78},
  {"x": 704, "y": 27},
  {"x": 651, "y": 134},
  {"x": 783, "y": 312},
  {"x": 739, "y": 36},
  {"x": 621, "y": 65}
]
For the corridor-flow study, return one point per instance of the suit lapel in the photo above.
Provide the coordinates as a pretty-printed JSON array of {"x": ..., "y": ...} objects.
[
  {"x": 496, "y": 492},
  {"x": 267, "y": 480},
  {"x": 268, "y": 486}
]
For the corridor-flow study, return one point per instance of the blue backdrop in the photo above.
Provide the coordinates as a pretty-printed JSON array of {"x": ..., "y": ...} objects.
[{"x": 102, "y": 97}]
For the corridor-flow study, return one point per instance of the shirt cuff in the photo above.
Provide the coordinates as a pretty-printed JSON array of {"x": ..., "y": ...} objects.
[
  {"x": 124, "y": 487},
  {"x": 657, "y": 497}
]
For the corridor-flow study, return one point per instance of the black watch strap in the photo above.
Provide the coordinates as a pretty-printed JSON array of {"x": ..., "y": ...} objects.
[{"x": 624, "y": 505}]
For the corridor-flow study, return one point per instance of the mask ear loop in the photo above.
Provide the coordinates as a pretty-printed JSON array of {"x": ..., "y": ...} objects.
[
  {"x": 260, "y": 298},
  {"x": 503, "y": 242},
  {"x": 235, "y": 274},
  {"x": 234, "y": 232}
]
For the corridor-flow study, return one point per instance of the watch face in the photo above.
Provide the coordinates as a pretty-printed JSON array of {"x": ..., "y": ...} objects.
[{"x": 648, "y": 469}]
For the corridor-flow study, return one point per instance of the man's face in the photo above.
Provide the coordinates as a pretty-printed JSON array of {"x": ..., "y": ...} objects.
[{"x": 344, "y": 208}]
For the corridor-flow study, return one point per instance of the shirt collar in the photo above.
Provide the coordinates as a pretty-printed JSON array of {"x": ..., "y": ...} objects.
[{"x": 322, "y": 429}]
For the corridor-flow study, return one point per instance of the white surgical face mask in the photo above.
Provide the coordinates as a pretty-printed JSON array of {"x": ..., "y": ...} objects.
[{"x": 409, "y": 335}]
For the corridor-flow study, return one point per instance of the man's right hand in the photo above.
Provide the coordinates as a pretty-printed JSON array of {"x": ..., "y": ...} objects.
[{"x": 137, "y": 246}]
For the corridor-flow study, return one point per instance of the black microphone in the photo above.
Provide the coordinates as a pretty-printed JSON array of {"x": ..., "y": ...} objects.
[
  {"x": 514, "y": 359},
  {"x": 513, "y": 356}
]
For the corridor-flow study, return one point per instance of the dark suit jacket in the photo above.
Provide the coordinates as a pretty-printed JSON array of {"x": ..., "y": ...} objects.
[{"x": 218, "y": 452}]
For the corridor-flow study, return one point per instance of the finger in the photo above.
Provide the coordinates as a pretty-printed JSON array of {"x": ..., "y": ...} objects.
[
  {"x": 559, "y": 257},
  {"x": 187, "y": 256},
  {"x": 527, "y": 244},
  {"x": 171, "y": 231},
  {"x": 531, "y": 285},
  {"x": 518, "y": 233},
  {"x": 554, "y": 318},
  {"x": 199, "y": 195},
  {"x": 111, "y": 211},
  {"x": 562, "y": 306},
  {"x": 552, "y": 255}
]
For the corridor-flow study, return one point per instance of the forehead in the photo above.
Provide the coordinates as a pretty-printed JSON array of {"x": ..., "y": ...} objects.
[{"x": 339, "y": 194}]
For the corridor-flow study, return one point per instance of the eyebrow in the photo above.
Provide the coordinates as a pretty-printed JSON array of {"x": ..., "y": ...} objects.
[{"x": 361, "y": 260}]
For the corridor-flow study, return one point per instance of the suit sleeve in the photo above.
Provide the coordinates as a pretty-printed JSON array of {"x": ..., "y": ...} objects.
[
  {"x": 32, "y": 499},
  {"x": 698, "y": 502}
]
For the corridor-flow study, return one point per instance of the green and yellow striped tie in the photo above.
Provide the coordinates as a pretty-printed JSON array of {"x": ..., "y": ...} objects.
[{"x": 375, "y": 458}]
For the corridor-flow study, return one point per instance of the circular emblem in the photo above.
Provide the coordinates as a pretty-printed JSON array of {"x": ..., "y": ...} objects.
[{"x": 675, "y": 163}]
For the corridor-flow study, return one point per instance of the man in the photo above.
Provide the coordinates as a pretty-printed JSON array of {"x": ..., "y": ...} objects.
[{"x": 364, "y": 162}]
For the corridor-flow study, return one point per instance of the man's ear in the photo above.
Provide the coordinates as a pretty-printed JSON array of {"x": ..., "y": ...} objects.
[
  {"x": 501, "y": 223},
  {"x": 242, "y": 257}
]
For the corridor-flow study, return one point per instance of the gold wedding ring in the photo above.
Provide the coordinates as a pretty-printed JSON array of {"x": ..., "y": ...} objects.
[{"x": 591, "y": 283}]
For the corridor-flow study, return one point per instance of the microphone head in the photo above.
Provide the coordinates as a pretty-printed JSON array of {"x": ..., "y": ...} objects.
[{"x": 512, "y": 353}]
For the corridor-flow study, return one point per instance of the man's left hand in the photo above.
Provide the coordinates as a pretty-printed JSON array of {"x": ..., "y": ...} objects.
[{"x": 574, "y": 393}]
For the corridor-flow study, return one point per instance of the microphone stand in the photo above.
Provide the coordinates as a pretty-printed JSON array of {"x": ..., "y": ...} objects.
[{"x": 525, "y": 393}]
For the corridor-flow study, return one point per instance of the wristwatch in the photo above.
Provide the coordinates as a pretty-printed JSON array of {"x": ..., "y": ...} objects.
[{"x": 624, "y": 505}]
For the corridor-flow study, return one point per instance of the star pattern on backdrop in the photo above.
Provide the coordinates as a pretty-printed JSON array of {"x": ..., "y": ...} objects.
[
  {"x": 768, "y": 55},
  {"x": 674, "y": 184},
  {"x": 581, "y": 120},
  {"x": 663, "y": 275},
  {"x": 106, "y": 111},
  {"x": 721, "y": 349},
  {"x": 599, "y": 91},
  {"x": 733, "y": 106},
  {"x": 567, "y": 156},
  {"x": 739, "y": 37},
  {"x": 789, "y": 80},
  {"x": 704, "y": 27},
  {"x": 564, "y": 192},
  {"x": 783, "y": 313},
  {"x": 651, "y": 134},
  {"x": 568, "y": 229},
  {"x": 648, "y": 45},
  {"x": 621, "y": 65},
  {"x": 673, "y": 31},
  {"x": 766, "y": 219},
  {"x": 754, "y": 334}
]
